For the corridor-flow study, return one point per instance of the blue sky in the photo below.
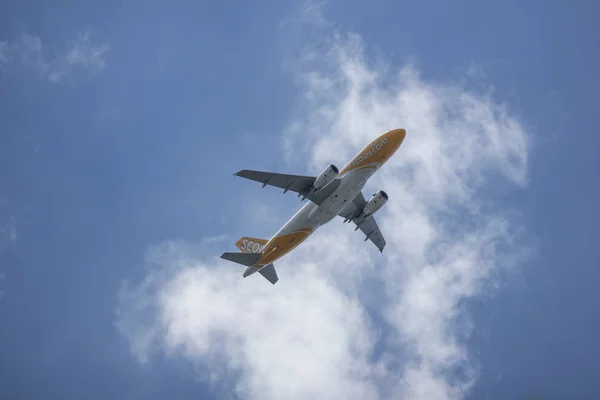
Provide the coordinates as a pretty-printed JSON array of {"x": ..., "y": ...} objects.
[{"x": 123, "y": 122}]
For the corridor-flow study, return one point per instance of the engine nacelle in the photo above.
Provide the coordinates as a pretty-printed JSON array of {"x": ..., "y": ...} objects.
[
  {"x": 325, "y": 177},
  {"x": 375, "y": 203}
]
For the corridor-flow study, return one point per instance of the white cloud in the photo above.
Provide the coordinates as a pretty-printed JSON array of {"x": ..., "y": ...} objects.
[
  {"x": 8, "y": 232},
  {"x": 4, "y": 53},
  {"x": 310, "y": 335},
  {"x": 82, "y": 53},
  {"x": 293, "y": 339},
  {"x": 57, "y": 66}
]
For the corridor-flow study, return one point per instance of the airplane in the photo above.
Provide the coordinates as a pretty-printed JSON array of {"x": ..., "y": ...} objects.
[{"x": 332, "y": 193}]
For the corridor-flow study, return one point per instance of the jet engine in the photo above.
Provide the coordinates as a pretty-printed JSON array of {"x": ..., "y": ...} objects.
[
  {"x": 325, "y": 177},
  {"x": 375, "y": 203}
]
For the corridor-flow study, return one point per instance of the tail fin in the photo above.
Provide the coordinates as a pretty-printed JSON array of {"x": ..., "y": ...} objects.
[
  {"x": 251, "y": 249},
  {"x": 251, "y": 245}
]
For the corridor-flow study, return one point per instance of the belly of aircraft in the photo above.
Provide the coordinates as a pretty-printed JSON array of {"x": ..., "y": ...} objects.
[
  {"x": 330, "y": 208},
  {"x": 310, "y": 217}
]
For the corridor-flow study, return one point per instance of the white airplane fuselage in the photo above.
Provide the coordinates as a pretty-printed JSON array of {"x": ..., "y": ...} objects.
[{"x": 312, "y": 216}]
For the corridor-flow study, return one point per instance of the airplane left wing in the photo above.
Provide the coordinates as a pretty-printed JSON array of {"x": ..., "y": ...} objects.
[
  {"x": 367, "y": 225},
  {"x": 296, "y": 183}
]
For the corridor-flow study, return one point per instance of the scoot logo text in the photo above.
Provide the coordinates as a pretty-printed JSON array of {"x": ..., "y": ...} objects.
[
  {"x": 370, "y": 153},
  {"x": 251, "y": 246}
]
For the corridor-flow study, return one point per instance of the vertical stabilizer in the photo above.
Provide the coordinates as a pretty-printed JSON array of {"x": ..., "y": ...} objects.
[{"x": 251, "y": 245}]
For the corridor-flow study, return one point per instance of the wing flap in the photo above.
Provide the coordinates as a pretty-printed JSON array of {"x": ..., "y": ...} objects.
[
  {"x": 300, "y": 184},
  {"x": 367, "y": 225},
  {"x": 295, "y": 183}
]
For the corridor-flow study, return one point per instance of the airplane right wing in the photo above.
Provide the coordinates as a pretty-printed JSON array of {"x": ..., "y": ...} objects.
[
  {"x": 296, "y": 183},
  {"x": 367, "y": 225}
]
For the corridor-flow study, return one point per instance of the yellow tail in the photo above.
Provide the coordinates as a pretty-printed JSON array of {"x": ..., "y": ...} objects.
[{"x": 251, "y": 245}]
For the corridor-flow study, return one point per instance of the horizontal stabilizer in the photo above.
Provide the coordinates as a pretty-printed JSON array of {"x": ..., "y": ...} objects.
[
  {"x": 269, "y": 273},
  {"x": 246, "y": 259}
]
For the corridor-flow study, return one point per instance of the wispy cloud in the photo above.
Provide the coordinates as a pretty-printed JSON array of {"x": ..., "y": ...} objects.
[
  {"x": 53, "y": 64},
  {"x": 8, "y": 237},
  {"x": 4, "y": 53},
  {"x": 8, "y": 232},
  {"x": 318, "y": 333}
]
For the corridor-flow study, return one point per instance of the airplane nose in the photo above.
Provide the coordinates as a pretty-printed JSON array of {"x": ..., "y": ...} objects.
[
  {"x": 401, "y": 134},
  {"x": 398, "y": 136}
]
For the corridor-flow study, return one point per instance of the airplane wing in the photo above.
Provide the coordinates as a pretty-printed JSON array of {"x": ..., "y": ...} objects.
[
  {"x": 354, "y": 207},
  {"x": 296, "y": 183},
  {"x": 367, "y": 225}
]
